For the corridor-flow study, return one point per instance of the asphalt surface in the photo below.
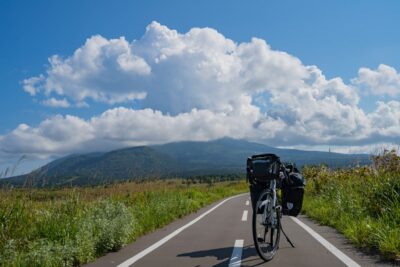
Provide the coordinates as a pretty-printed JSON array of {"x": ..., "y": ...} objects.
[{"x": 223, "y": 237}]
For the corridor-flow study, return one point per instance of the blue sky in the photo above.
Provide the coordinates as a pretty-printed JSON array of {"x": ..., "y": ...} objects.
[{"x": 339, "y": 37}]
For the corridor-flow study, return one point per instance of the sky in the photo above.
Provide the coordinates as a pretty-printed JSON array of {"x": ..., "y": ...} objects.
[{"x": 82, "y": 76}]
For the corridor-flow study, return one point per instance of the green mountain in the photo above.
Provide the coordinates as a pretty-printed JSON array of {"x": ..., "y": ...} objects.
[
  {"x": 221, "y": 156},
  {"x": 98, "y": 168}
]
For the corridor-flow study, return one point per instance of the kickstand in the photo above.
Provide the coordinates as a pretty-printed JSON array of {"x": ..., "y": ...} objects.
[{"x": 287, "y": 238}]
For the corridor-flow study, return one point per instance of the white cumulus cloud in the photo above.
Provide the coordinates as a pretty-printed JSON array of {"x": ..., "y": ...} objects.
[
  {"x": 385, "y": 80},
  {"x": 102, "y": 70},
  {"x": 56, "y": 103}
]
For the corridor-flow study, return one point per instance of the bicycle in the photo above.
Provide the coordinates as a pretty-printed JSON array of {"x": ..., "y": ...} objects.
[{"x": 267, "y": 212}]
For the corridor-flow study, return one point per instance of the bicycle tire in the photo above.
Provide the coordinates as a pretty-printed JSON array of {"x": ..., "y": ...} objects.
[{"x": 266, "y": 252}]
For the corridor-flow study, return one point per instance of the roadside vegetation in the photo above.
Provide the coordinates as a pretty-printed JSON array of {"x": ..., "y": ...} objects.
[
  {"x": 363, "y": 203},
  {"x": 73, "y": 226}
]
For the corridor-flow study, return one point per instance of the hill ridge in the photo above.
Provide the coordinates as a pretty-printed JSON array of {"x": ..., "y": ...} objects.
[{"x": 174, "y": 159}]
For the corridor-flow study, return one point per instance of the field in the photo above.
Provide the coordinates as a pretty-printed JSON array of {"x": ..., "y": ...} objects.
[
  {"x": 362, "y": 203},
  {"x": 73, "y": 226}
]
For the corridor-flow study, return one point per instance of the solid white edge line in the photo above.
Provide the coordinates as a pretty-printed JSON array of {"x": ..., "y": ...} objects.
[
  {"x": 247, "y": 202},
  {"x": 244, "y": 216},
  {"x": 143, "y": 253},
  {"x": 335, "y": 251},
  {"x": 236, "y": 258}
]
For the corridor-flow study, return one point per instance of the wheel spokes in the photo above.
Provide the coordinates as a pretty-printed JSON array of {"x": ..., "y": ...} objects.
[{"x": 266, "y": 227}]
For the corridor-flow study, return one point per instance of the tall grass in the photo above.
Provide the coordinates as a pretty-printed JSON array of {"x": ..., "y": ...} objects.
[
  {"x": 10, "y": 170},
  {"x": 70, "y": 227},
  {"x": 362, "y": 203}
]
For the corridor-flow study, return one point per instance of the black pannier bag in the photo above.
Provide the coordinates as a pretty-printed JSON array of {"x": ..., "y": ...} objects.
[
  {"x": 255, "y": 192},
  {"x": 263, "y": 168},
  {"x": 293, "y": 193}
]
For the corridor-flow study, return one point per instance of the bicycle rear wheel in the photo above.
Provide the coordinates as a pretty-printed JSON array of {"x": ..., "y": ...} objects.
[{"x": 266, "y": 226}]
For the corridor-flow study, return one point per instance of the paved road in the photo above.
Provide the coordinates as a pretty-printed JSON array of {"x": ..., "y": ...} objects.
[{"x": 220, "y": 235}]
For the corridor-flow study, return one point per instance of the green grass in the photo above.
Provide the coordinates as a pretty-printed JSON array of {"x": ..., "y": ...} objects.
[
  {"x": 70, "y": 227},
  {"x": 362, "y": 203}
]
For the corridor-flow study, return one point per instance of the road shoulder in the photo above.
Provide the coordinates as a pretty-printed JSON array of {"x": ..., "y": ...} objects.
[{"x": 343, "y": 244}]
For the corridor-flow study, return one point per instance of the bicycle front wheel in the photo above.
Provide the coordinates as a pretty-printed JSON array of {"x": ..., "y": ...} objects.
[{"x": 266, "y": 226}]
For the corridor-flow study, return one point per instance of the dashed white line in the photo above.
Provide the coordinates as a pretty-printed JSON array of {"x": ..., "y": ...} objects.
[
  {"x": 143, "y": 253},
  {"x": 236, "y": 258},
  {"x": 247, "y": 203},
  {"x": 335, "y": 251},
  {"x": 244, "y": 216}
]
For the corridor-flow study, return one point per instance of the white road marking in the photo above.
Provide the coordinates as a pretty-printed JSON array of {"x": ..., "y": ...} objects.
[
  {"x": 244, "y": 216},
  {"x": 335, "y": 251},
  {"x": 247, "y": 203},
  {"x": 236, "y": 258},
  {"x": 143, "y": 253}
]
